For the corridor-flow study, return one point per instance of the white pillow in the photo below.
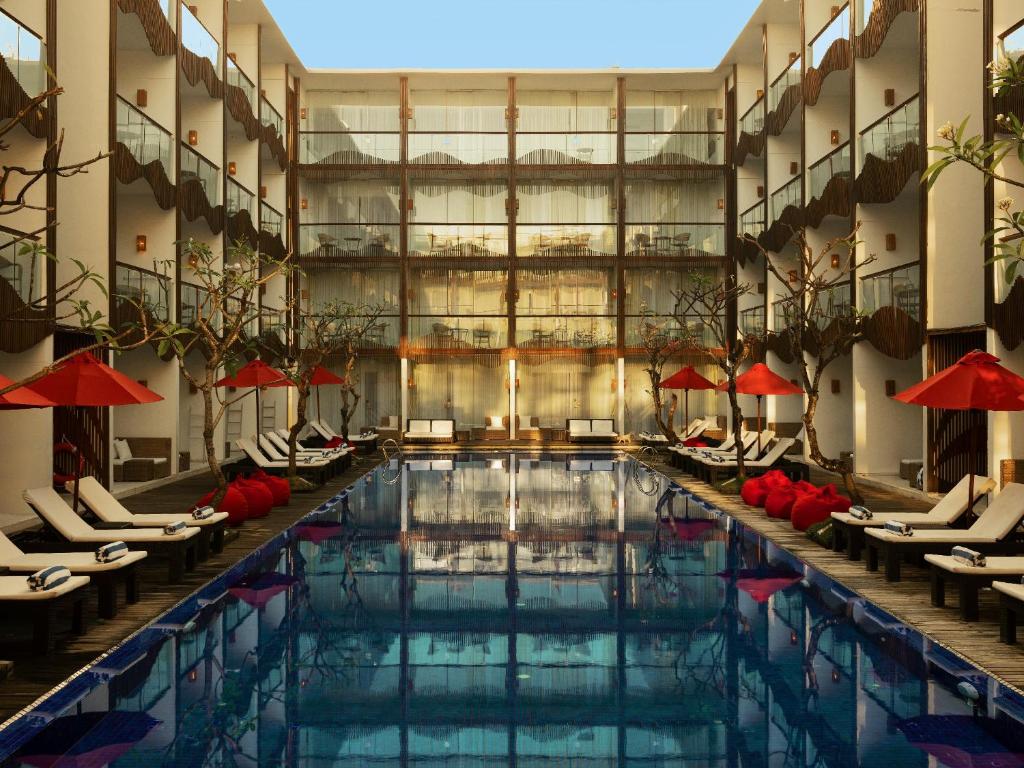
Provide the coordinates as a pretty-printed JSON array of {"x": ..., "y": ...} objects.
[
  {"x": 494, "y": 422},
  {"x": 123, "y": 450}
]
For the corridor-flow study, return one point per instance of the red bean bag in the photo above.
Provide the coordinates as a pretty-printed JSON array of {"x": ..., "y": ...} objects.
[
  {"x": 334, "y": 442},
  {"x": 756, "y": 490},
  {"x": 696, "y": 442},
  {"x": 817, "y": 507},
  {"x": 234, "y": 503},
  {"x": 280, "y": 490},
  {"x": 257, "y": 494},
  {"x": 779, "y": 503}
]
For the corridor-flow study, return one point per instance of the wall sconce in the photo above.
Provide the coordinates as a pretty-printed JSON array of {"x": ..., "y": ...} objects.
[
  {"x": 834, "y": 138},
  {"x": 721, "y": 204},
  {"x": 615, "y": 294},
  {"x": 890, "y": 387},
  {"x": 140, "y": 243},
  {"x": 890, "y": 97},
  {"x": 232, "y": 168},
  {"x": 836, "y": 675},
  {"x": 263, "y": 193},
  {"x": 141, "y": 97},
  {"x": 793, "y": 276},
  {"x": 835, "y": 10},
  {"x": 615, "y": 385},
  {"x": 835, "y": 261},
  {"x": 233, "y": 56},
  {"x": 890, "y": 241},
  {"x": 193, "y": 138},
  {"x": 303, "y": 203},
  {"x": 302, "y": 113},
  {"x": 410, "y": 384},
  {"x": 762, "y": 288},
  {"x": 835, "y": 386},
  {"x": 193, "y": 675},
  {"x": 760, "y": 93},
  {"x": 793, "y": 56},
  {"x": 194, "y": 9},
  {"x": 793, "y": 637},
  {"x": 193, "y": 260},
  {"x": 760, "y": 191}
]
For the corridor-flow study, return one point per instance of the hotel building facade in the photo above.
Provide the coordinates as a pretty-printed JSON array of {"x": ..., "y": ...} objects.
[{"x": 516, "y": 228}]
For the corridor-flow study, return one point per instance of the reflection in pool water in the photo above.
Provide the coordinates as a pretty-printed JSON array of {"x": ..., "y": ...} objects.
[{"x": 523, "y": 610}]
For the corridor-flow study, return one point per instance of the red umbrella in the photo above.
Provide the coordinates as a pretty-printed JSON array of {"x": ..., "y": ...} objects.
[
  {"x": 319, "y": 531},
  {"x": 86, "y": 739},
  {"x": 85, "y": 381},
  {"x": 760, "y": 380},
  {"x": 20, "y": 398},
  {"x": 976, "y": 382},
  {"x": 260, "y": 590},
  {"x": 762, "y": 582},
  {"x": 321, "y": 377},
  {"x": 256, "y": 374},
  {"x": 686, "y": 379}
]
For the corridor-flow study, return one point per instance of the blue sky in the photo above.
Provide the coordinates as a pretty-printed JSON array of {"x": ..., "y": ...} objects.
[{"x": 483, "y": 34}]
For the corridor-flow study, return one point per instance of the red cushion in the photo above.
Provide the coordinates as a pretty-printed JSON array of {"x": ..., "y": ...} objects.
[
  {"x": 779, "y": 502},
  {"x": 696, "y": 442},
  {"x": 234, "y": 503},
  {"x": 257, "y": 494},
  {"x": 334, "y": 442},
  {"x": 815, "y": 507},
  {"x": 754, "y": 492},
  {"x": 279, "y": 487}
]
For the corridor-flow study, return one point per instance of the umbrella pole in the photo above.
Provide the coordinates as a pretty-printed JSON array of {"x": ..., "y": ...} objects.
[
  {"x": 759, "y": 425},
  {"x": 974, "y": 461},
  {"x": 257, "y": 414},
  {"x": 318, "y": 414},
  {"x": 686, "y": 414}
]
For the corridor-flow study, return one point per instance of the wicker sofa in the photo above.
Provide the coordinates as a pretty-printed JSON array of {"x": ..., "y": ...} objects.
[
  {"x": 430, "y": 431},
  {"x": 146, "y": 458},
  {"x": 591, "y": 430}
]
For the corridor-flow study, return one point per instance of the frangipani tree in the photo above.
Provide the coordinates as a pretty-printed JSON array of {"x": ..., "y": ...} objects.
[{"x": 659, "y": 347}]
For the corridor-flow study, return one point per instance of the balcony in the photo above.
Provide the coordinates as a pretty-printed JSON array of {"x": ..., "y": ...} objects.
[
  {"x": 785, "y": 214},
  {"x": 663, "y": 240},
  {"x": 326, "y": 243},
  {"x": 272, "y": 132},
  {"x": 753, "y": 220},
  {"x": 272, "y": 234},
  {"x": 830, "y": 51},
  {"x": 784, "y": 96},
  {"x": 458, "y": 149},
  {"x": 240, "y": 100},
  {"x": 890, "y": 154},
  {"x": 158, "y": 19},
  {"x": 751, "y": 140},
  {"x": 892, "y": 301},
  {"x": 458, "y": 332},
  {"x": 836, "y": 303},
  {"x": 675, "y": 149},
  {"x": 876, "y": 25},
  {"x": 240, "y": 214},
  {"x": 560, "y": 241},
  {"x": 1009, "y": 100},
  {"x": 200, "y": 54},
  {"x": 135, "y": 287},
  {"x": 26, "y": 318},
  {"x": 553, "y": 332},
  {"x": 144, "y": 149},
  {"x": 200, "y": 188},
  {"x": 566, "y": 148},
  {"x": 347, "y": 149},
  {"x": 195, "y": 305},
  {"x": 458, "y": 241},
  {"x": 23, "y": 74},
  {"x": 750, "y": 322},
  {"x": 829, "y": 186}
]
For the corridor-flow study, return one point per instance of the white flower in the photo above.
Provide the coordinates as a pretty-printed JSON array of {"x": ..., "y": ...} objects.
[
  {"x": 946, "y": 131},
  {"x": 1005, "y": 204},
  {"x": 999, "y": 67}
]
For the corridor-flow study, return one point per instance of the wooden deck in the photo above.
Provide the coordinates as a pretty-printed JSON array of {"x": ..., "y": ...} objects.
[
  {"x": 909, "y": 600},
  {"x": 32, "y": 676}
]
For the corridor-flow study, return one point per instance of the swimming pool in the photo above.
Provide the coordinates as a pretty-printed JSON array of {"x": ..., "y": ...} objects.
[{"x": 523, "y": 609}]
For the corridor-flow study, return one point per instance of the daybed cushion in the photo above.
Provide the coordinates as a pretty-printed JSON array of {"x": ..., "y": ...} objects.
[
  {"x": 579, "y": 426},
  {"x": 602, "y": 426},
  {"x": 419, "y": 426},
  {"x": 494, "y": 422},
  {"x": 441, "y": 427}
]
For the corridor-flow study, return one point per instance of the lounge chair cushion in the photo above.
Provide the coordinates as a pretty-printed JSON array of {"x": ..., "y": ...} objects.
[
  {"x": 16, "y": 588},
  {"x": 258, "y": 496},
  {"x": 234, "y": 503},
  {"x": 997, "y": 565}
]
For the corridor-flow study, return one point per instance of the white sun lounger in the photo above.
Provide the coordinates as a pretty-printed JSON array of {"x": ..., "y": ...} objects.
[
  {"x": 969, "y": 579},
  {"x": 280, "y": 441},
  {"x": 267, "y": 447},
  {"x": 44, "y": 606},
  {"x": 991, "y": 533},
  {"x": 1011, "y": 604},
  {"x": 179, "y": 548},
  {"x": 947, "y": 511},
  {"x": 248, "y": 446}
]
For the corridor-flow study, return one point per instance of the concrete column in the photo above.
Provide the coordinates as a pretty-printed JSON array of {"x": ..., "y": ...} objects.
[
  {"x": 620, "y": 388},
  {"x": 512, "y": 399},
  {"x": 405, "y": 393}
]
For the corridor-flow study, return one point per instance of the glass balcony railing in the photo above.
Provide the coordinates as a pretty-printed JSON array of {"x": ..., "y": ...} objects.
[
  {"x": 21, "y": 265},
  {"x": 565, "y": 240},
  {"x": 344, "y": 148},
  {"x": 675, "y": 239},
  {"x": 145, "y": 288},
  {"x": 886, "y": 139},
  {"x": 833, "y": 302},
  {"x": 145, "y": 139},
  {"x": 270, "y": 117},
  {"x": 565, "y": 332},
  {"x": 789, "y": 78},
  {"x": 675, "y": 148},
  {"x": 556, "y": 148},
  {"x": 274, "y": 321},
  {"x": 837, "y": 29},
  {"x": 195, "y": 304},
  {"x": 789, "y": 194},
  {"x": 783, "y": 315},
  {"x": 348, "y": 240},
  {"x": 751, "y": 321},
  {"x": 639, "y": 326},
  {"x": 458, "y": 331},
  {"x": 752, "y": 122},
  {"x": 458, "y": 148},
  {"x": 236, "y": 310},
  {"x": 899, "y": 287},
  {"x": 197, "y": 38},
  {"x": 752, "y": 220},
  {"x": 239, "y": 199},
  {"x": 25, "y": 55},
  {"x": 448, "y": 240},
  {"x": 195, "y": 167},
  {"x": 271, "y": 220},
  {"x": 1011, "y": 46},
  {"x": 835, "y": 164},
  {"x": 238, "y": 78}
]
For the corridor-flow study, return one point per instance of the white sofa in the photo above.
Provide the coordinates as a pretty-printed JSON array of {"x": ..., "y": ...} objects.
[
  {"x": 591, "y": 430},
  {"x": 430, "y": 431}
]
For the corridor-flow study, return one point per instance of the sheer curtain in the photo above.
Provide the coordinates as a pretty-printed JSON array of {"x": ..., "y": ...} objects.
[
  {"x": 674, "y": 201},
  {"x": 565, "y": 111},
  {"x": 565, "y": 292},
  {"x": 640, "y": 403},
  {"x": 459, "y": 203},
  {"x": 657, "y": 111},
  {"x": 466, "y": 388},
  {"x": 354, "y": 201},
  {"x": 352, "y": 111},
  {"x": 553, "y": 388},
  {"x": 457, "y": 292},
  {"x": 365, "y": 285},
  {"x": 378, "y": 381},
  {"x": 582, "y": 202},
  {"x": 480, "y": 111}
]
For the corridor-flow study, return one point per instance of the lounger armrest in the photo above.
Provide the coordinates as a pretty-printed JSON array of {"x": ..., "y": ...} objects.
[{"x": 101, "y": 525}]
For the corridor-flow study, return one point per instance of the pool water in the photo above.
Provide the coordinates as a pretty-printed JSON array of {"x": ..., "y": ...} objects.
[{"x": 523, "y": 610}]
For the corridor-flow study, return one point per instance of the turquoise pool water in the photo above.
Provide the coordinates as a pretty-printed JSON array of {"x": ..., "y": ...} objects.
[{"x": 523, "y": 610}]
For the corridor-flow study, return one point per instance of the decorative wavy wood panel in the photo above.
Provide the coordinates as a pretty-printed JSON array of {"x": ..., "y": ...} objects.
[
  {"x": 128, "y": 170},
  {"x": 241, "y": 110},
  {"x": 22, "y": 327},
  {"x": 126, "y": 316},
  {"x": 199, "y": 69},
  {"x": 781, "y": 230},
  {"x": 894, "y": 333},
  {"x": 779, "y": 117},
  {"x": 13, "y": 100},
  {"x": 750, "y": 145},
  {"x": 239, "y": 227},
  {"x": 272, "y": 245},
  {"x": 881, "y": 181},
  {"x": 193, "y": 202},
  {"x": 883, "y": 16},
  {"x": 275, "y": 143},
  {"x": 1008, "y": 316},
  {"x": 157, "y": 28},
  {"x": 781, "y": 346},
  {"x": 834, "y": 201},
  {"x": 746, "y": 251},
  {"x": 837, "y": 58}
]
